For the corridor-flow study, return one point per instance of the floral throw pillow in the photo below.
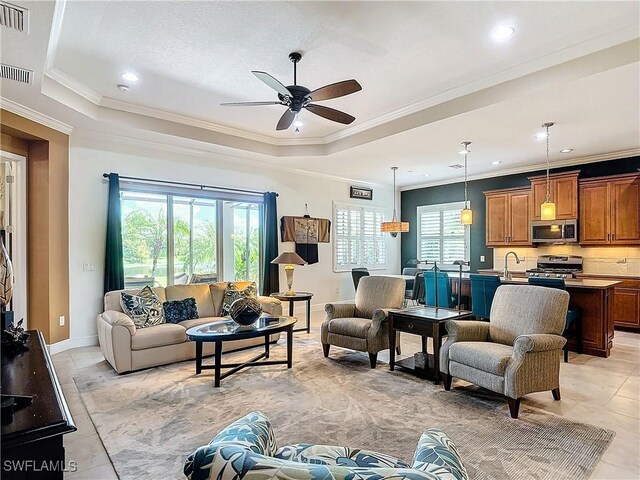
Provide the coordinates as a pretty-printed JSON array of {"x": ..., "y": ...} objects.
[
  {"x": 231, "y": 294},
  {"x": 144, "y": 307},
  {"x": 176, "y": 311}
]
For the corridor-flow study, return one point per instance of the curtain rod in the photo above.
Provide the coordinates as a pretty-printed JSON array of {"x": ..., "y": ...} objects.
[{"x": 184, "y": 184}]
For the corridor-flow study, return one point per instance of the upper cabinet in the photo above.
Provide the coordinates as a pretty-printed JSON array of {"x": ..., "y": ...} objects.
[
  {"x": 563, "y": 191},
  {"x": 610, "y": 210},
  {"x": 508, "y": 217}
]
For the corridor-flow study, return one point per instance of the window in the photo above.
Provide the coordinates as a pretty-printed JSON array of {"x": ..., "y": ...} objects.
[
  {"x": 441, "y": 236},
  {"x": 174, "y": 237},
  {"x": 358, "y": 241}
]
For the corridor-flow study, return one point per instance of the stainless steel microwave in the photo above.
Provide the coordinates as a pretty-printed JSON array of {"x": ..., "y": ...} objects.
[{"x": 554, "y": 231}]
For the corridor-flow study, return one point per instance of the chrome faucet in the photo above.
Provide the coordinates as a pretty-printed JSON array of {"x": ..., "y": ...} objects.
[{"x": 506, "y": 273}]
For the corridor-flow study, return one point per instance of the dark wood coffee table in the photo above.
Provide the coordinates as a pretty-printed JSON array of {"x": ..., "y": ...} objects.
[
  {"x": 426, "y": 322},
  {"x": 228, "y": 330}
]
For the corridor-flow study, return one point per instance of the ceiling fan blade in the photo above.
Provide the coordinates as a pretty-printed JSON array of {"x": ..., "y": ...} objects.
[
  {"x": 330, "y": 113},
  {"x": 273, "y": 83},
  {"x": 249, "y": 104},
  {"x": 335, "y": 90},
  {"x": 286, "y": 120}
]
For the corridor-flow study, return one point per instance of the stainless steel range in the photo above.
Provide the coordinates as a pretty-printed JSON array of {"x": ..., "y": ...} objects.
[{"x": 556, "y": 266}]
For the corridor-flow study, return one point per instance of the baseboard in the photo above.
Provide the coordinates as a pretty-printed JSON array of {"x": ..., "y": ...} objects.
[{"x": 72, "y": 343}]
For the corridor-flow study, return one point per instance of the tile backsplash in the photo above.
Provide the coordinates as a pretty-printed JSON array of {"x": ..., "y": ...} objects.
[{"x": 624, "y": 261}]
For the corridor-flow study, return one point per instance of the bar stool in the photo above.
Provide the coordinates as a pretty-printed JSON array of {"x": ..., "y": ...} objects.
[
  {"x": 573, "y": 324},
  {"x": 483, "y": 289}
]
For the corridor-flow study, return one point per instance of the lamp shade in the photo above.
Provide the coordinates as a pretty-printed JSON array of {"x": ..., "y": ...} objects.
[
  {"x": 289, "y": 258},
  {"x": 548, "y": 211},
  {"x": 394, "y": 227},
  {"x": 466, "y": 216}
]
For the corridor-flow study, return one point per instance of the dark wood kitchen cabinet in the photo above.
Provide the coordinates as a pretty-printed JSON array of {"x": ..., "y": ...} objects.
[
  {"x": 626, "y": 300},
  {"x": 563, "y": 191},
  {"x": 610, "y": 210},
  {"x": 508, "y": 217}
]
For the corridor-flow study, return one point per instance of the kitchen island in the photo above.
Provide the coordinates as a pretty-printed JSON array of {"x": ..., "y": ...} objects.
[{"x": 594, "y": 298}]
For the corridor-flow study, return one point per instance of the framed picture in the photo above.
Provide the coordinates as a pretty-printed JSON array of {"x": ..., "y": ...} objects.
[{"x": 362, "y": 193}]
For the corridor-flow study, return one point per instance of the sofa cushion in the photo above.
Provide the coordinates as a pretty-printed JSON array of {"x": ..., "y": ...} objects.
[
  {"x": 176, "y": 311},
  {"x": 112, "y": 299},
  {"x": 350, "y": 326},
  {"x": 217, "y": 293},
  {"x": 144, "y": 307},
  {"x": 486, "y": 356},
  {"x": 198, "y": 291},
  {"x": 233, "y": 293},
  {"x": 158, "y": 336}
]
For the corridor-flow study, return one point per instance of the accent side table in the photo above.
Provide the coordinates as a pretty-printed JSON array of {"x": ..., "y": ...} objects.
[{"x": 298, "y": 297}]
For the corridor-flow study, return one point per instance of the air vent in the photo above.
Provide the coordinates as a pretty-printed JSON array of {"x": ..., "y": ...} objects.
[
  {"x": 456, "y": 165},
  {"x": 15, "y": 73},
  {"x": 14, "y": 17}
]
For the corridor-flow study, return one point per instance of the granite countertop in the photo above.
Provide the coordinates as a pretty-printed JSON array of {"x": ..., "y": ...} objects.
[
  {"x": 592, "y": 283},
  {"x": 573, "y": 283}
]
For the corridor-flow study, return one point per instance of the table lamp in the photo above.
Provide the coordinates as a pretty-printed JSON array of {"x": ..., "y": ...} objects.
[{"x": 289, "y": 259}]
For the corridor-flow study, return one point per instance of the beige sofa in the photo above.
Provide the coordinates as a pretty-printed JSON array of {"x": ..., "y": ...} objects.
[{"x": 129, "y": 348}]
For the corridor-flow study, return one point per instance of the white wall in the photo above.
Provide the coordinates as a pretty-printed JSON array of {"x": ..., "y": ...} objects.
[{"x": 90, "y": 157}]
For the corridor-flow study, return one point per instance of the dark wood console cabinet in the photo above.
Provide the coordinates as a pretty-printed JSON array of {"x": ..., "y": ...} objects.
[{"x": 32, "y": 445}]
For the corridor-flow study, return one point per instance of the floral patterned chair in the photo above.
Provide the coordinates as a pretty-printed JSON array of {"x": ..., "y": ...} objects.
[{"x": 247, "y": 449}]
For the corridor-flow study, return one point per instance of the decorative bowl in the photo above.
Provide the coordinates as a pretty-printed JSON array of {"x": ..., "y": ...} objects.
[{"x": 245, "y": 311}]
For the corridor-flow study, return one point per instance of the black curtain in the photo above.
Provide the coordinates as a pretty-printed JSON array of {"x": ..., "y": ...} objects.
[
  {"x": 113, "y": 262},
  {"x": 270, "y": 273}
]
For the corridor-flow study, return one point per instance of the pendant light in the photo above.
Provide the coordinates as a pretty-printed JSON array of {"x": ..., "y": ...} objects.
[
  {"x": 394, "y": 227},
  {"x": 466, "y": 215},
  {"x": 548, "y": 208}
]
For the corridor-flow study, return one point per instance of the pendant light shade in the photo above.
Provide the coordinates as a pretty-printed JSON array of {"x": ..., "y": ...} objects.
[
  {"x": 548, "y": 208},
  {"x": 466, "y": 215},
  {"x": 548, "y": 211},
  {"x": 394, "y": 227}
]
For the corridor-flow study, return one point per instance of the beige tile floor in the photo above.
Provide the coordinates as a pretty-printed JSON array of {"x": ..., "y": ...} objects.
[{"x": 600, "y": 391}]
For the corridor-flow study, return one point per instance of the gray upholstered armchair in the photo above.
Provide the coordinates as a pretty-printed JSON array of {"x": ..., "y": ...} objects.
[
  {"x": 363, "y": 325},
  {"x": 517, "y": 352}
]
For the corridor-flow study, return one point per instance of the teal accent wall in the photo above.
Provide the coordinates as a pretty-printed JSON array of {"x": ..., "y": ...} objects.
[{"x": 454, "y": 192}]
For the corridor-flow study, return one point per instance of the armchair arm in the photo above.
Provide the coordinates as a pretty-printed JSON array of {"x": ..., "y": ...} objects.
[
  {"x": 462, "y": 331},
  {"x": 437, "y": 454},
  {"x": 113, "y": 318},
  {"x": 271, "y": 306},
  {"x": 340, "y": 310},
  {"x": 539, "y": 342},
  {"x": 467, "y": 330}
]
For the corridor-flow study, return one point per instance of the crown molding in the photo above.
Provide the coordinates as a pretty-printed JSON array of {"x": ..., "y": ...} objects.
[
  {"x": 204, "y": 124},
  {"x": 196, "y": 151},
  {"x": 34, "y": 116},
  {"x": 74, "y": 85},
  {"x": 601, "y": 157}
]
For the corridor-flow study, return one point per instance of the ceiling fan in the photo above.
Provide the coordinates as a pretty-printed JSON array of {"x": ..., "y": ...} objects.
[{"x": 296, "y": 97}]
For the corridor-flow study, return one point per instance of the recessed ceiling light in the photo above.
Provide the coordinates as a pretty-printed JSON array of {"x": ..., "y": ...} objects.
[
  {"x": 298, "y": 123},
  {"x": 566, "y": 150},
  {"x": 425, "y": 175},
  {"x": 124, "y": 88},
  {"x": 496, "y": 162},
  {"x": 130, "y": 77},
  {"x": 409, "y": 171},
  {"x": 541, "y": 135},
  {"x": 503, "y": 32}
]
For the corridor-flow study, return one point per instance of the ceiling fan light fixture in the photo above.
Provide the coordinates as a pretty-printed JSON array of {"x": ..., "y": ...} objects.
[{"x": 298, "y": 123}]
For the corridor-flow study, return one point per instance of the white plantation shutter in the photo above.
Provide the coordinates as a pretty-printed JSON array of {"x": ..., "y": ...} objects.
[
  {"x": 358, "y": 241},
  {"x": 441, "y": 236}
]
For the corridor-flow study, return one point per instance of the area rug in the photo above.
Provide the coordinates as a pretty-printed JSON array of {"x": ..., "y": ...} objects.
[{"x": 149, "y": 421}]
